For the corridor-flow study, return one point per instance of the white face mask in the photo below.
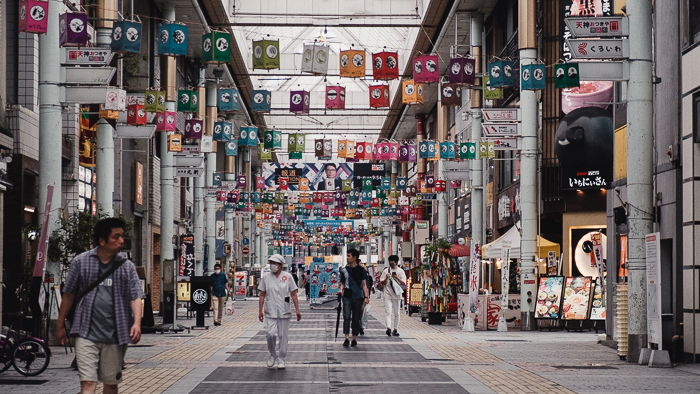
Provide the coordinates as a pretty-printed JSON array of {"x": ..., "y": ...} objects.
[
  {"x": 275, "y": 267},
  {"x": 217, "y": 271}
]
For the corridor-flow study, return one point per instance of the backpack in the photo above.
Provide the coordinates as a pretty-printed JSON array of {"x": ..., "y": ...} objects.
[{"x": 370, "y": 281}]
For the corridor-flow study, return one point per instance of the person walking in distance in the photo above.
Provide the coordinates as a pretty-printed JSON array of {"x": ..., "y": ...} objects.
[
  {"x": 392, "y": 280},
  {"x": 219, "y": 290},
  {"x": 364, "y": 322},
  {"x": 276, "y": 290},
  {"x": 353, "y": 287},
  {"x": 106, "y": 291}
]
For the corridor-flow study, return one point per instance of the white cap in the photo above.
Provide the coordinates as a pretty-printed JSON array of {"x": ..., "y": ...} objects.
[{"x": 277, "y": 258}]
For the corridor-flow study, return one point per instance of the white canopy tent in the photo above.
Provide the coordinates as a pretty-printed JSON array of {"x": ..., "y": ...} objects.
[{"x": 511, "y": 239}]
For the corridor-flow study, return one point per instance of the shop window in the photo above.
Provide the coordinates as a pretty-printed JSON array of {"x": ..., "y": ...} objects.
[
  {"x": 696, "y": 117},
  {"x": 692, "y": 30}
]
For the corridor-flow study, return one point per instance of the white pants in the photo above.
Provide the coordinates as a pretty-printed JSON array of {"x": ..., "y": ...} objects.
[
  {"x": 392, "y": 311},
  {"x": 277, "y": 332}
]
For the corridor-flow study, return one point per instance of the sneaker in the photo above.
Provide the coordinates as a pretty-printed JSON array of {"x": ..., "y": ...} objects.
[
  {"x": 362, "y": 333},
  {"x": 388, "y": 332},
  {"x": 280, "y": 364},
  {"x": 346, "y": 343},
  {"x": 353, "y": 343},
  {"x": 395, "y": 333},
  {"x": 271, "y": 362}
]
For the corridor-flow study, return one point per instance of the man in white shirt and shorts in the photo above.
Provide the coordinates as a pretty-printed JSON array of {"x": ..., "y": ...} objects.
[
  {"x": 392, "y": 278},
  {"x": 277, "y": 290}
]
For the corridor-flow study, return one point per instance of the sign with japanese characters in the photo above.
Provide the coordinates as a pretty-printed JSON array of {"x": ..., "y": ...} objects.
[
  {"x": 609, "y": 26},
  {"x": 186, "y": 255},
  {"x": 593, "y": 48},
  {"x": 585, "y": 180},
  {"x": 188, "y": 172},
  {"x": 500, "y": 129},
  {"x": 501, "y": 114}
]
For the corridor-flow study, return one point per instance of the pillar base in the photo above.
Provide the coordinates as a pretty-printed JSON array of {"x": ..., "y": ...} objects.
[
  {"x": 660, "y": 359},
  {"x": 468, "y": 323},
  {"x": 635, "y": 344},
  {"x": 644, "y": 356},
  {"x": 502, "y": 324},
  {"x": 527, "y": 321}
]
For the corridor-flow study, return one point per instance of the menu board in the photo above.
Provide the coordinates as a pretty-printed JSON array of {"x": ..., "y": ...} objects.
[
  {"x": 577, "y": 298},
  {"x": 598, "y": 310},
  {"x": 549, "y": 297}
]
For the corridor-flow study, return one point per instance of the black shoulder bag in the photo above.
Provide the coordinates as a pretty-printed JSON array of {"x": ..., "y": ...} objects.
[{"x": 88, "y": 289}]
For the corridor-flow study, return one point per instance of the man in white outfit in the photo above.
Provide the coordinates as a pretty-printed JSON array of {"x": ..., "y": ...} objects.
[
  {"x": 391, "y": 280},
  {"x": 277, "y": 290}
]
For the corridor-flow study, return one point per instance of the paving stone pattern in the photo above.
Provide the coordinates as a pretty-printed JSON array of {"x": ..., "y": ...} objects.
[{"x": 425, "y": 358}]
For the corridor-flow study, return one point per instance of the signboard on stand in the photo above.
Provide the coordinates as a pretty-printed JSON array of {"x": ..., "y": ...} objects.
[{"x": 240, "y": 285}]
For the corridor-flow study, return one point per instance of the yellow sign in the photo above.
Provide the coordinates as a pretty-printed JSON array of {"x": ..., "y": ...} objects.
[
  {"x": 183, "y": 291},
  {"x": 620, "y": 156}
]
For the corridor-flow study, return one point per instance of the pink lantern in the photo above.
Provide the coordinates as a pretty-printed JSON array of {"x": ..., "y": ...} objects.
[
  {"x": 426, "y": 69},
  {"x": 259, "y": 182},
  {"x": 335, "y": 97},
  {"x": 166, "y": 121},
  {"x": 33, "y": 16},
  {"x": 299, "y": 102},
  {"x": 382, "y": 152},
  {"x": 194, "y": 129},
  {"x": 393, "y": 150}
]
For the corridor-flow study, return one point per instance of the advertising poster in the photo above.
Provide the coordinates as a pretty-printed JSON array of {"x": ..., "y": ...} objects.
[
  {"x": 549, "y": 297},
  {"x": 652, "y": 243},
  {"x": 307, "y": 176},
  {"x": 183, "y": 291},
  {"x": 325, "y": 279},
  {"x": 240, "y": 281},
  {"x": 598, "y": 310},
  {"x": 474, "y": 277},
  {"x": 577, "y": 298}
]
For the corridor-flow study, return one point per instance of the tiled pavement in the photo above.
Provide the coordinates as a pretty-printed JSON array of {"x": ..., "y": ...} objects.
[{"x": 441, "y": 358}]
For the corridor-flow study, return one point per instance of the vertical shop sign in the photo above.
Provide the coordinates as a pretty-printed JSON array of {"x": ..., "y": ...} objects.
[
  {"x": 240, "y": 284},
  {"x": 580, "y": 8},
  {"x": 138, "y": 183},
  {"x": 186, "y": 255},
  {"x": 652, "y": 243},
  {"x": 505, "y": 280},
  {"x": 474, "y": 277}
]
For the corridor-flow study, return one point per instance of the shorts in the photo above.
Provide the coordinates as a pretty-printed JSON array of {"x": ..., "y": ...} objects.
[{"x": 99, "y": 361}]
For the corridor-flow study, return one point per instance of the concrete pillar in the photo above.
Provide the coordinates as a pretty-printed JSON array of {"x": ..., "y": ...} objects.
[
  {"x": 640, "y": 160},
  {"x": 442, "y": 197},
  {"x": 527, "y": 42},
  {"x": 50, "y": 122},
  {"x": 210, "y": 203}
]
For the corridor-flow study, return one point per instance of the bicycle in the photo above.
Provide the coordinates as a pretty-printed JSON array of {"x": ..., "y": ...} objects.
[{"x": 29, "y": 355}]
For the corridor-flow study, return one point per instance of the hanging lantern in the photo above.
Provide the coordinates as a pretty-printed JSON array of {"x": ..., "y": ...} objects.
[
  {"x": 532, "y": 77},
  {"x": 216, "y": 47},
  {"x": 228, "y": 99},
  {"x": 194, "y": 129},
  {"x": 231, "y": 148},
  {"x": 283, "y": 183},
  {"x": 379, "y": 96},
  {"x": 273, "y": 139},
  {"x": 447, "y": 150},
  {"x": 426, "y": 69},
  {"x": 298, "y": 144},
  {"x": 241, "y": 182},
  {"x": 187, "y": 100},
  {"x": 206, "y": 144},
  {"x": 467, "y": 150},
  {"x": 259, "y": 185},
  {"x": 335, "y": 97},
  {"x": 175, "y": 142},
  {"x": 341, "y": 149},
  {"x": 346, "y": 185},
  {"x": 385, "y": 65},
  {"x": 136, "y": 115},
  {"x": 352, "y": 63},
  {"x": 412, "y": 92},
  {"x": 451, "y": 94},
  {"x": 426, "y": 149},
  {"x": 401, "y": 183},
  {"x": 386, "y": 183},
  {"x": 462, "y": 70},
  {"x": 393, "y": 150},
  {"x": 154, "y": 101},
  {"x": 501, "y": 74},
  {"x": 172, "y": 39},
  {"x": 126, "y": 37},
  {"x": 266, "y": 54},
  {"x": 262, "y": 101},
  {"x": 248, "y": 136},
  {"x": 166, "y": 121},
  {"x": 299, "y": 102},
  {"x": 566, "y": 75},
  {"x": 379, "y": 155},
  {"x": 115, "y": 99},
  {"x": 328, "y": 198},
  {"x": 314, "y": 59},
  {"x": 73, "y": 27},
  {"x": 265, "y": 154},
  {"x": 33, "y": 16},
  {"x": 349, "y": 149},
  {"x": 222, "y": 131}
]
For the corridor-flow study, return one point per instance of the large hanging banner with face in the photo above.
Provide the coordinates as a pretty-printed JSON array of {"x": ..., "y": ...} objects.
[{"x": 307, "y": 176}]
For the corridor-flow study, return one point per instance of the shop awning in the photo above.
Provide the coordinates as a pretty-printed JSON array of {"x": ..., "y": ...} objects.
[{"x": 511, "y": 239}]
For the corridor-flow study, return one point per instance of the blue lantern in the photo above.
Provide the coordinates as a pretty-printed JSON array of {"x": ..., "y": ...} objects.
[
  {"x": 228, "y": 100},
  {"x": 232, "y": 148},
  {"x": 222, "y": 131},
  {"x": 386, "y": 183},
  {"x": 126, "y": 37},
  {"x": 501, "y": 74},
  {"x": 262, "y": 101},
  {"x": 248, "y": 136},
  {"x": 426, "y": 149},
  {"x": 447, "y": 150},
  {"x": 533, "y": 77},
  {"x": 172, "y": 39}
]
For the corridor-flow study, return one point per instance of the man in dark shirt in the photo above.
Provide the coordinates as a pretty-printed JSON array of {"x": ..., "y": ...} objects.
[
  {"x": 219, "y": 290},
  {"x": 353, "y": 287}
]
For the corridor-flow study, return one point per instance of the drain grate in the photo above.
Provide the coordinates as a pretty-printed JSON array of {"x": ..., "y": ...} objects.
[
  {"x": 33, "y": 382},
  {"x": 594, "y": 366}
]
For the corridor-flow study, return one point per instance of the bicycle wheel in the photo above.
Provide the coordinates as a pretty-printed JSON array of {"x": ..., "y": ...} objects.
[
  {"x": 5, "y": 358},
  {"x": 30, "y": 357}
]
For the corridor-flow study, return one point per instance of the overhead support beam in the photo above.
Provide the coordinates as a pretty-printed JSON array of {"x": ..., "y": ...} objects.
[{"x": 297, "y": 24}]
